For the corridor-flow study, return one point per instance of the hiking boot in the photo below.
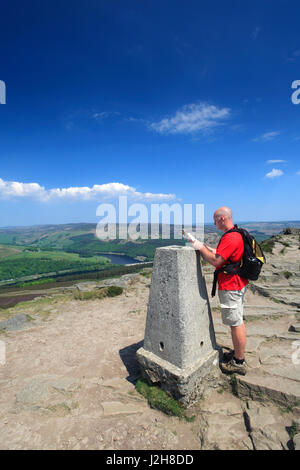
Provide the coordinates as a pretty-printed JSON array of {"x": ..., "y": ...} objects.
[
  {"x": 227, "y": 356},
  {"x": 232, "y": 367}
]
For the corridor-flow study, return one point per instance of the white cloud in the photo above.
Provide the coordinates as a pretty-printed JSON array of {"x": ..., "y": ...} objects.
[
  {"x": 105, "y": 114},
  {"x": 14, "y": 189},
  {"x": 274, "y": 173},
  {"x": 192, "y": 118},
  {"x": 10, "y": 189},
  {"x": 267, "y": 136},
  {"x": 102, "y": 115},
  {"x": 298, "y": 173},
  {"x": 293, "y": 57},
  {"x": 255, "y": 33},
  {"x": 276, "y": 161}
]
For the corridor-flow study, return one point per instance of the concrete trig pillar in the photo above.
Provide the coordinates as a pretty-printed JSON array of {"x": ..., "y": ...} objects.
[{"x": 180, "y": 351}]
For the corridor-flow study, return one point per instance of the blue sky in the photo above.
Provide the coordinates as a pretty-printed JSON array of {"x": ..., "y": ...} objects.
[{"x": 164, "y": 101}]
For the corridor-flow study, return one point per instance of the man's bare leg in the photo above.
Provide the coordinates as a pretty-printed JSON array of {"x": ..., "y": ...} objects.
[{"x": 238, "y": 334}]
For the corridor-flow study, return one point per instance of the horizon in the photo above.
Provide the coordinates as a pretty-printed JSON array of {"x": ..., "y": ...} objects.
[
  {"x": 144, "y": 223},
  {"x": 161, "y": 102}
]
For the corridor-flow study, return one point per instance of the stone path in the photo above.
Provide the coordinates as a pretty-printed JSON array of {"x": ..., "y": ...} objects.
[
  {"x": 68, "y": 380},
  {"x": 271, "y": 315}
]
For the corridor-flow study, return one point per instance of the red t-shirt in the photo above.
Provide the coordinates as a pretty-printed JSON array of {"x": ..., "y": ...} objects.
[{"x": 231, "y": 246}]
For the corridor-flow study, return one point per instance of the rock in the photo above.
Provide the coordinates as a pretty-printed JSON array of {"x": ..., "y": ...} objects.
[
  {"x": 296, "y": 441},
  {"x": 295, "y": 327},
  {"x": 45, "y": 393},
  {"x": 296, "y": 424},
  {"x": 265, "y": 430},
  {"x": 179, "y": 349},
  {"x": 112, "y": 408},
  {"x": 83, "y": 287},
  {"x": 284, "y": 392},
  {"x": 291, "y": 231},
  {"x": 123, "y": 281},
  {"x": 257, "y": 417},
  {"x": 266, "y": 440},
  {"x": 222, "y": 424},
  {"x": 14, "y": 323},
  {"x": 118, "y": 384}
]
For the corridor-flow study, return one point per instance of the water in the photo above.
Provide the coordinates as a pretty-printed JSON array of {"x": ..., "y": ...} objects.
[{"x": 120, "y": 259}]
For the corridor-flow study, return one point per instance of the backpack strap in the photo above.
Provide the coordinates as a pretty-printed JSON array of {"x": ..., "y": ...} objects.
[
  {"x": 214, "y": 287},
  {"x": 233, "y": 266}
]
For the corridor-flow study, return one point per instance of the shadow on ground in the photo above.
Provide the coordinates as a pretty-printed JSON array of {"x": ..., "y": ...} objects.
[{"x": 128, "y": 357}]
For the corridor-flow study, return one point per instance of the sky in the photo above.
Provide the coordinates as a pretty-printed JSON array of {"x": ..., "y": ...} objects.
[{"x": 162, "y": 101}]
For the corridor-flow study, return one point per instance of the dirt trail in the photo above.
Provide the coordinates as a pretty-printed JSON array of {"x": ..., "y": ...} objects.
[{"x": 68, "y": 383}]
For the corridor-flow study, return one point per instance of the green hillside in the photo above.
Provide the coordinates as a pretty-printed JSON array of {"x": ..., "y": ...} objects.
[
  {"x": 28, "y": 263},
  {"x": 69, "y": 248}
]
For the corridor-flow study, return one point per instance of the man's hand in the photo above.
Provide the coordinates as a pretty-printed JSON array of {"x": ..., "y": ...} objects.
[
  {"x": 197, "y": 245},
  {"x": 208, "y": 253}
]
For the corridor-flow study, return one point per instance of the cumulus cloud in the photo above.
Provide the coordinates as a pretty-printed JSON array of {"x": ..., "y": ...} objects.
[
  {"x": 267, "y": 136},
  {"x": 15, "y": 189},
  {"x": 192, "y": 118},
  {"x": 274, "y": 173},
  {"x": 10, "y": 189}
]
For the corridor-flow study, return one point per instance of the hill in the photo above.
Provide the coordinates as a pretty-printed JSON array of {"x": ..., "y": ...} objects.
[
  {"x": 54, "y": 253},
  {"x": 70, "y": 372}
]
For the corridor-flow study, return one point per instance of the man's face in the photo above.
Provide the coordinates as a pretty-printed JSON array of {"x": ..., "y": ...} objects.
[{"x": 218, "y": 221}]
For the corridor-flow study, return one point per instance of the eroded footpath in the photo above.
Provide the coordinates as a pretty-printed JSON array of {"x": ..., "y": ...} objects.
[{"x": 68, "y": 381}]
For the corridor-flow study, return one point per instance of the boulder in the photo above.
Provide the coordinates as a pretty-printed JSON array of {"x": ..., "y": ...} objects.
[{"x": 17, "y": 322}]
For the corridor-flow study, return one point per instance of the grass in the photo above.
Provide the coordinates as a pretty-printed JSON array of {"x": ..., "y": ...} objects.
[
  {"x": 111, "y": 291},
  {"x": 147, "y": 274},
  {"x": 260, "y": 317},
  {"x": 40, "y": 282},
  {"x": 293, "y": 430},
  {"x": 160, "y": 400},
  {"x": 215, "y": 309},
  {"x": 268, "y": 245},
  {"x": 35, "y": 306},
  {"x": 22, "y": 265},
  {"x": 286, "y": 409},
  {"x": 234, "y": 385},
  {"x": 249, "y": 318},
  {"x": 6, "y": 251},
  {"x": 277, "y": 301},
  {"x": 261, "y": 395}
]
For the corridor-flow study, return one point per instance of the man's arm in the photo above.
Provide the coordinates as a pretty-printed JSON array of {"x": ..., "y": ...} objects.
[
  {"x": 209, "y": 254},
  {"x": 213, "y": 250}
]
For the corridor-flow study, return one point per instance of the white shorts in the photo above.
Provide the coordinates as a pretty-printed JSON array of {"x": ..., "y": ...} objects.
[{"x": 232, "y": 306}]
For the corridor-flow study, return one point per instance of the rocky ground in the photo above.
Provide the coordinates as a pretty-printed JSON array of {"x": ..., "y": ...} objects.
[{"x": 68, "y": 379}]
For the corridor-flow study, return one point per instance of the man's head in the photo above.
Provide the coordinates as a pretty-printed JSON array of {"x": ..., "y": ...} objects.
[{"x": 223, "y": 219}]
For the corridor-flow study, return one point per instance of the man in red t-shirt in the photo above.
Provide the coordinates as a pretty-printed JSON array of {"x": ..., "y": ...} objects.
[{"x": 231, "y": 287}]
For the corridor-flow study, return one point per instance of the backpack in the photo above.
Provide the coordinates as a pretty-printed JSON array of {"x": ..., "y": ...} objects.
[{"x": 251, "y": 263}]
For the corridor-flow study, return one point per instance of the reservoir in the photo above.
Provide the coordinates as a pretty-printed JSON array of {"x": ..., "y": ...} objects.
[{"x": 120, "y": 259}]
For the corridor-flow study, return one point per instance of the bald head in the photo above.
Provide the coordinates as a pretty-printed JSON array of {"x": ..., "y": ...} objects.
[
  {"x": 225, "y": 212},
  {"x": 223, "y": 218}
]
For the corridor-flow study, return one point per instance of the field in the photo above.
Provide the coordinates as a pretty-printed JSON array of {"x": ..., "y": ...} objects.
[
  {"x": 19, "y": 263},
  {"x": 29, "y": 254}
]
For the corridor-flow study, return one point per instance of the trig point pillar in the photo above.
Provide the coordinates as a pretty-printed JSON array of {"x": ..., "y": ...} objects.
[{"x": 180, "y": 352}]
